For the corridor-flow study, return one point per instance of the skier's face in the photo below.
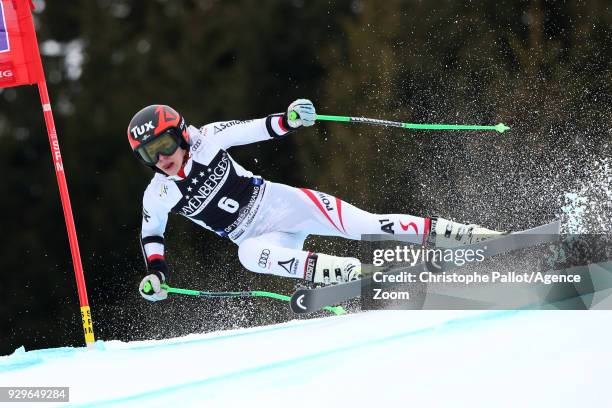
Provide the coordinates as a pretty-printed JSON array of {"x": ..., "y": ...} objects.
[{"x": 173, "y": 163}]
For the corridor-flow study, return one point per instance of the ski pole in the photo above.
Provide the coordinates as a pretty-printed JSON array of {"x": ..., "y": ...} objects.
[
  {"x": 338, "y": 310},
  {"x": 500, "y": 127}
]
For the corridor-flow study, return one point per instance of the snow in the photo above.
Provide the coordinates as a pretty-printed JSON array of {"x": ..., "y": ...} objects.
[
  {"x": 377, "y": 358},
  {"x": 587, "y": 209}
]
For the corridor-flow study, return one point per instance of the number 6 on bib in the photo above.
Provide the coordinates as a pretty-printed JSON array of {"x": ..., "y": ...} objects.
[{"x": 229, "y": 205}]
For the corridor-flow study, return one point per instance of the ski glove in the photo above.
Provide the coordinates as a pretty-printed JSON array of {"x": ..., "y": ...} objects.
[
  {"x": 150, "y": 287},
  {"x": 304, "y": 111}
]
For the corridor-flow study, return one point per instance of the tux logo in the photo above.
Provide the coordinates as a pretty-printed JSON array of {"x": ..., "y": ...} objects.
[
  {"x": 290, "y": 266},
  {"x": 138, "y": 131},
  {"x": 386, "y": 226}
]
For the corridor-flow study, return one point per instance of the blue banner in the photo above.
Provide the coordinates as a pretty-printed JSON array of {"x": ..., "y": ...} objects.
[{"x": 4, "y": 41}]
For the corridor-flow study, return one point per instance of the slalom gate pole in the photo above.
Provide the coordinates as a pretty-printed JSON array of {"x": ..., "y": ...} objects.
[
  {"x": 20, "y": 64},
  {"x": 500, "y": 127},
  {"x": 70, "y": 227},
  {"x": 338, "y": 310}
]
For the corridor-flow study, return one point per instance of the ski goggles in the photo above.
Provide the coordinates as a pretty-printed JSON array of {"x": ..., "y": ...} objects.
[{"x": 165, "y": 144}]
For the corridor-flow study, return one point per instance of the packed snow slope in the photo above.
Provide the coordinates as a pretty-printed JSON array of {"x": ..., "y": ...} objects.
[{"x": 384, "y": 358}]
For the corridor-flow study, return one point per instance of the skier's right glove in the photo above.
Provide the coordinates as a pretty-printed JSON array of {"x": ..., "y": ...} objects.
[
  {"x": 300, "y": 113},
  {"x": 150, "y": 287}
]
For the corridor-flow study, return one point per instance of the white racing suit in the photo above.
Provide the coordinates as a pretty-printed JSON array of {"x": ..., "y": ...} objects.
[{"x": 268, "y": 221}]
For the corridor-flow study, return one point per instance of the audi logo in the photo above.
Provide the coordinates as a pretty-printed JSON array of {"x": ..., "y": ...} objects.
[{"x": 263, "y": 258}]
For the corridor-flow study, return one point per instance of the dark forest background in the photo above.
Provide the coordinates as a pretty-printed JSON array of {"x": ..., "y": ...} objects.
[{"x": 542, "y": 67}]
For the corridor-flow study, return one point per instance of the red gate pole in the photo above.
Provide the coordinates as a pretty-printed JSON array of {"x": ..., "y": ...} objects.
[
  {"x": 67, "y": 207},
  {"x": 20, "y": 64}
]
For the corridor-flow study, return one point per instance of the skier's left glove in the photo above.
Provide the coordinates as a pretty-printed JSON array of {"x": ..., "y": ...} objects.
[
  {"x": 150, "y": 287},
  {"x": 301, "y": 112}
]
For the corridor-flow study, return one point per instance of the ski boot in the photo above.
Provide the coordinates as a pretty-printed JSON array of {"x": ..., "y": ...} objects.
[
  {"x": 445, "y": 233},
  {"x": 336, "y": 269}
]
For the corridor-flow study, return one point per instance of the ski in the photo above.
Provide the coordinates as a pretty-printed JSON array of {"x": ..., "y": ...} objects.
[{"x": 311, "y": 300}]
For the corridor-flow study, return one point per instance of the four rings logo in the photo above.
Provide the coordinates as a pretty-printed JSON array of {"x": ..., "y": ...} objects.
[
  {"x": 196, "y": 146},
  {"x": 263, "y": 258}
]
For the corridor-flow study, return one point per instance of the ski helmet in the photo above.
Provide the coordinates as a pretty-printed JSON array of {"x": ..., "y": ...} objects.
[{"x": 157, "y": 129}]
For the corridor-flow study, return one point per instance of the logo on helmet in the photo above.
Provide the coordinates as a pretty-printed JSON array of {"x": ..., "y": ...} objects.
[
  {"x": 154, "y": 120},
  {"x": 165, "y": 118},
  {"x": 138, "y": 131}
]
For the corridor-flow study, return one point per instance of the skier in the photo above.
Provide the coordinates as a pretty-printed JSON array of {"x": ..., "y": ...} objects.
[{"x": 197, "y": 178}]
